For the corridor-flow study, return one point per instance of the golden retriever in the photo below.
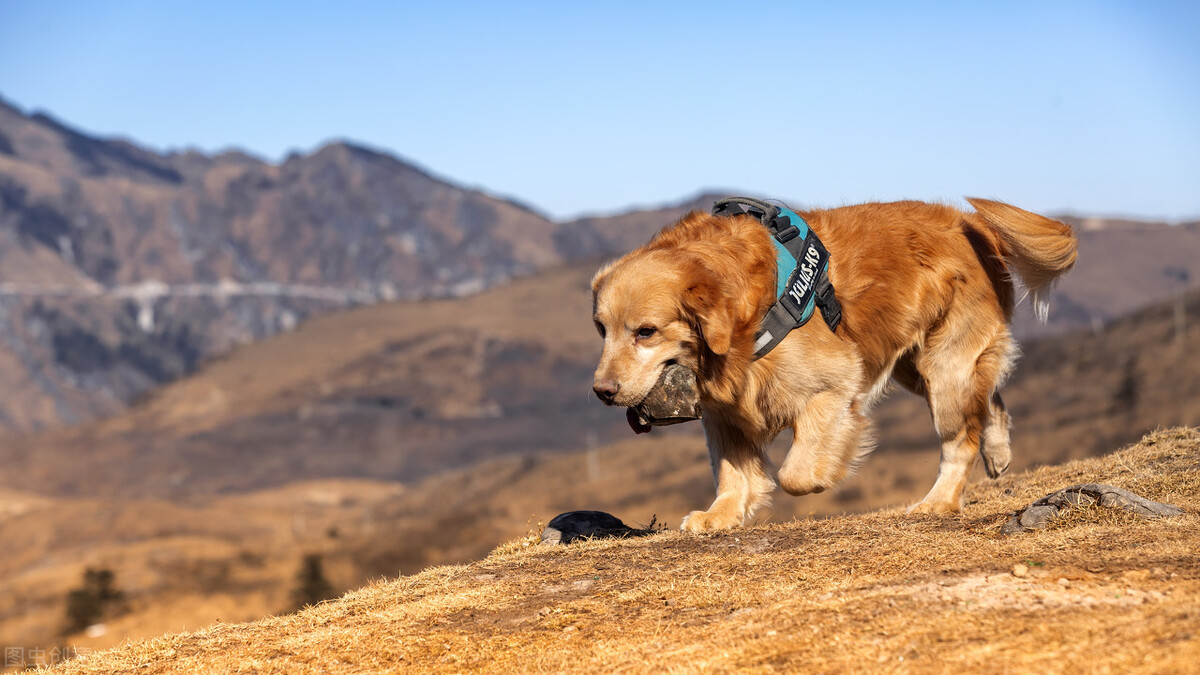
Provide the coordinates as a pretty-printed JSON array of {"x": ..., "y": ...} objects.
[{"x": 926, "y": 293}]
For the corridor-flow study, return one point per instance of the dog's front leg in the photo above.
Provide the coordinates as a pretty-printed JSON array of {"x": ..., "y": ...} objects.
[
  {"x": 742, "y": 474},
  {"x": 828, "y": 437}
]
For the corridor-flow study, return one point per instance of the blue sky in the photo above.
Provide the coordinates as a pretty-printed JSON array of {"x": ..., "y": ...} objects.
[{"x": 581, "y": 108}]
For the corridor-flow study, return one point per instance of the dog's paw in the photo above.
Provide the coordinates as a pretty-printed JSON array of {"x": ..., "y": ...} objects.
[
  {"x": 799, "y": 486},
  {"x": 996, "y": 459},
  {"x": 807, "y": 474},
  {"x": 708, "y": 521},
  {"x": 934, "y": 508}
]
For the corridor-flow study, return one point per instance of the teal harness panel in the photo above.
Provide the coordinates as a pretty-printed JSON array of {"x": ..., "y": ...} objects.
[{"x": 786, "y": 263}]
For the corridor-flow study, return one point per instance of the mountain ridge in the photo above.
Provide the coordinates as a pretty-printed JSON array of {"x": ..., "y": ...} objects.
[
  {"x": 81, "y": 213},
  {"x": 123, "y": 268}
]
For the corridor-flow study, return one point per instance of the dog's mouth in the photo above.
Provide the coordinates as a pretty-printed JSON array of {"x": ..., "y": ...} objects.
[{"x": 673, "y": 399}]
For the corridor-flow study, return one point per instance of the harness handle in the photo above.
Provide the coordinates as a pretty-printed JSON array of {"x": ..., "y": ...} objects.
[
  {"x": 731, "y": 206},
  {"x": 770, "y": 215}
]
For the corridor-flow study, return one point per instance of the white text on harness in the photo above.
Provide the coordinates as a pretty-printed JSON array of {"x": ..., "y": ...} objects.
[{"x": 808, "y": 273}]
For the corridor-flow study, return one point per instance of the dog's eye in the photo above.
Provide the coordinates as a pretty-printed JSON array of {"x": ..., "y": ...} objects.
[
  {"x": 646, "y": 331},
  {"x": 600, "y": 328}
]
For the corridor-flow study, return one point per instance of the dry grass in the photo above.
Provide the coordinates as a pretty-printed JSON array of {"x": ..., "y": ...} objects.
[
  {"x": 161, "y": 506},
  {"x": 880, "y": 591}
]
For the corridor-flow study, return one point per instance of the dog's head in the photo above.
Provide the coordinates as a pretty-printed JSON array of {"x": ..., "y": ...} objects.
[
  {"x": 684, "y": 298},
  {"x": 694, "y": 296},
  {"x": 655, "y": 307}
]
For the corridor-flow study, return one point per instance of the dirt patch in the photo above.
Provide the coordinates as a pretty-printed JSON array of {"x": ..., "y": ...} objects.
[{"x": 980, "y": 592}]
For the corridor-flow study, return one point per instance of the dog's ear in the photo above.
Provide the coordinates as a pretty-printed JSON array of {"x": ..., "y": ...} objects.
[{"x": 710, "y": 306}]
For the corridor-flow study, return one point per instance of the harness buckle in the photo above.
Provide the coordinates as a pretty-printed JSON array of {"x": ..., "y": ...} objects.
[
  {"x": 827, "y": 300},
  {"x": 786, "y": 232}
]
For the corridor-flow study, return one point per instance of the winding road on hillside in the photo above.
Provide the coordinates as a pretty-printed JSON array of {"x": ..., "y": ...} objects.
[{"x": 146, "y": 293}]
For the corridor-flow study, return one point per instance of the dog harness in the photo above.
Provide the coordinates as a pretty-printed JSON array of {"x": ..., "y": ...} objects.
[{"x": 802, "y": 277}]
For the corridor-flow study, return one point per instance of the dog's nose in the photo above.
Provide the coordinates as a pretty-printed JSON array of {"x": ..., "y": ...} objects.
[{"x": 606, "y": 390}]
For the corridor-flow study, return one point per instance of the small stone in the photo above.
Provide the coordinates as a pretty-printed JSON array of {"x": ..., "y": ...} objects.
[
  {"x": 1064, "y": 582},
  {"x": 673, "y": 399},
  {"x": 1042, "y": 511},
  {"x": 1020, "y": 571}
]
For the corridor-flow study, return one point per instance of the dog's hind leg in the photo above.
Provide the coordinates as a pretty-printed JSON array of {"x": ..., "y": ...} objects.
[
  {"x": 742, "y": 473},
  {"x": 830, "y": 437},
  {"x": 996, "y": 450},
  {"x": 960, "y": 379}
]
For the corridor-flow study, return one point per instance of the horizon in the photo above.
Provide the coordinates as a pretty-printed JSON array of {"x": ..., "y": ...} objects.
[
  {"x": 1064, "y": 108},
  {"x": 666, "y": 202}
]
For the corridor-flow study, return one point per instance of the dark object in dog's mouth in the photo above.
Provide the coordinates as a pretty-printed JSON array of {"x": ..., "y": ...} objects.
[{"x": 672, "y": 400}]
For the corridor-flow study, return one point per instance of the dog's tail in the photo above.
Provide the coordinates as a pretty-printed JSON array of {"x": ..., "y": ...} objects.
[{"x": 1041, "y": 249}]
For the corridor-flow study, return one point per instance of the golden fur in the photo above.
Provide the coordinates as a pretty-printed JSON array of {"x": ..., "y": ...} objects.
[{"x": 926, "y": 293}]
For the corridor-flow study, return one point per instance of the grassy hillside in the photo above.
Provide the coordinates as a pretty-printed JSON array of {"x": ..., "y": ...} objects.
[
  {"x": 1095, "y": 591},
  {"x": 184, "y": 563},
  {"x": 391, "y": 391}
]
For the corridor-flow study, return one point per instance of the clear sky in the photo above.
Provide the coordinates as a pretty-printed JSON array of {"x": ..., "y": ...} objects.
[{"x": 582, "y": 108}]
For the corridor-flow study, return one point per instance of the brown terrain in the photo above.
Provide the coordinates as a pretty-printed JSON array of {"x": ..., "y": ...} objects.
[
  {"x": 1097, "y": 590},
  {"x": 151, "y": 487},
  {"x": 219, "y": 367}
]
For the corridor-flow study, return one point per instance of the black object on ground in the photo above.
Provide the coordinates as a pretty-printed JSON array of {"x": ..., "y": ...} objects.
[{"x": 567, "y": 527}]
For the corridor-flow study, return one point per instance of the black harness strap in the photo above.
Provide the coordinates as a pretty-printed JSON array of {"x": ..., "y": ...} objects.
[{"x": 807, "y": 285}]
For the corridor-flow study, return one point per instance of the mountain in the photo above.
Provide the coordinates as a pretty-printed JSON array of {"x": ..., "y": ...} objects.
[
  {"x": 343, "y": 217},
  {"x": 122, "y": 268}
]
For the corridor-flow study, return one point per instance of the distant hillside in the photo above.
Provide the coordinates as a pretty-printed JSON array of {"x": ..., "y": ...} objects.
[
  {"x": 400, "y": 391},
  {"x": 1095, "y": 591},
  {"x": 1123, "y": 266},
  {"x": 122, "y": 268},
  {"x": 394, "y": 390}
]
